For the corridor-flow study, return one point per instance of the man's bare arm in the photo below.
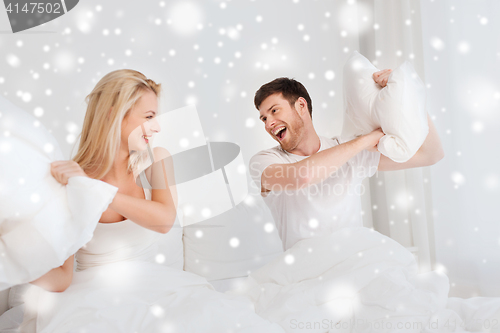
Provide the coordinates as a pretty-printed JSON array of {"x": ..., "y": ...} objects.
[
  {"x": 317, "y": 167},
  {"x": 429, "y": 153}
]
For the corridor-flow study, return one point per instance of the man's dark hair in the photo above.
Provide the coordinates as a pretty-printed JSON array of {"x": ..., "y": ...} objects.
[{"x": 289, "y": 88}]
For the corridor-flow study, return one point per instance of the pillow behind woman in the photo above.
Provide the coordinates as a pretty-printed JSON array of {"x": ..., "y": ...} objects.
[{"x": 398, "y": 108}]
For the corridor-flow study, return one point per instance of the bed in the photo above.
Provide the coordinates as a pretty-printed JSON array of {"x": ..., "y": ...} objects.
[{"x": 225, "y": 266}]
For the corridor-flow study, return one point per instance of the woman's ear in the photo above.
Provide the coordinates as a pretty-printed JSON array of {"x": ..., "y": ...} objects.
[{"x": 109, "y": 112}]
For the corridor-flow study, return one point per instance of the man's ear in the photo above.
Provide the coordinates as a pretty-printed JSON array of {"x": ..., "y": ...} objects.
[{"x": 301, "y": 106}]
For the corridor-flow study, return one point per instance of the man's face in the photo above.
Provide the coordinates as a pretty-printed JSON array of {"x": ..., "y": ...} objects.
[{"x": 282, "y": 121}]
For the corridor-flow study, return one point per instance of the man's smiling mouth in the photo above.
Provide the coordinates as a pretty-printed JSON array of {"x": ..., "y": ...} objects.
[{"x": 280, "y": 132}]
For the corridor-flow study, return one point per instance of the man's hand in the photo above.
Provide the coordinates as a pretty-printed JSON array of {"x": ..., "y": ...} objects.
[
  {"x": 382, "y": 77},
  {"x": 373, "y": 138}
]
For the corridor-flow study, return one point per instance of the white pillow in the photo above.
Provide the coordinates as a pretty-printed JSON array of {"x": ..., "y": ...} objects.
[
  {"x": 42, "y": 222},
  {"x": 398, "y": 108},
  {"x": 233, "y": 243}
]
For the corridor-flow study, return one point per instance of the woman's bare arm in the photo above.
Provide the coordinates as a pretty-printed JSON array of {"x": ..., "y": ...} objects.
[
  {"x": 157, "y": 214},
  {"x": 57, "y": 279}
]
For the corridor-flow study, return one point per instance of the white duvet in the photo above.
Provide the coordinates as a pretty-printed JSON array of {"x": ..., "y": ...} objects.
[
  {"x": 358, "y": 280},
  {"x": 139, "y": 296}
]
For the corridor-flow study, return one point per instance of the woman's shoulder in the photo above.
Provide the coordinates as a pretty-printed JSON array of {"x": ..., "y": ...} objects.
[{"x": 160, "y": 153}]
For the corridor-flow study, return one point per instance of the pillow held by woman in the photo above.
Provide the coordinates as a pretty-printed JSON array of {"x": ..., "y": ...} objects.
[{"x": 42, "y": 223}]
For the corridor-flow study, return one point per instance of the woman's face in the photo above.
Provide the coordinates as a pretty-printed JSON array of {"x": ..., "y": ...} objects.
[{"x": 141, "y": 122}]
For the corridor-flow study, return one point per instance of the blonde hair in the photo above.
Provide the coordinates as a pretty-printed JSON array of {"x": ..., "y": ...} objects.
[{"x": 107, "y": 105}]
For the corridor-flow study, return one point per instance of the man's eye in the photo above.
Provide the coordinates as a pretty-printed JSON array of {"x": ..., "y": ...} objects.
[
  {"x": 149, "y": 117},
  {"x": 274, "y": 110},
  {"x": 263, "y": 119}
]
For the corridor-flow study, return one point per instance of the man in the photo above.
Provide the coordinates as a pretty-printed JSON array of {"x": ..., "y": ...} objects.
[{"x": 312, "y": 184}]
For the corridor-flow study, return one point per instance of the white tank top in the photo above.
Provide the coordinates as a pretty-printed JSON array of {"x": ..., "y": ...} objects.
[{"x": 119, "y": 241}]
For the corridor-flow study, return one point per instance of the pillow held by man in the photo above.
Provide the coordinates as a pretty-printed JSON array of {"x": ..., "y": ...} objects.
[{"x": 398, "y": 108}]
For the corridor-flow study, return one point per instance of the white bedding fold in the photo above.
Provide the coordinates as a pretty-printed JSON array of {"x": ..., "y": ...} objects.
[{"x": 354, "y": 280}]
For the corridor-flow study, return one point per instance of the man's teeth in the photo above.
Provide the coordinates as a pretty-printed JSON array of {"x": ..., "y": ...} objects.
[{"x": 276, "y": 132}]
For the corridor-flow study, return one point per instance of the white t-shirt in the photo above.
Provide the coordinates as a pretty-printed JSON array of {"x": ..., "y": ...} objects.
[{"x": 320, "y": 208}]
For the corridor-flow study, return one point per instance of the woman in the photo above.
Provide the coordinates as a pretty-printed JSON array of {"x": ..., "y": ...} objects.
[{"x": 118, "y": 286}]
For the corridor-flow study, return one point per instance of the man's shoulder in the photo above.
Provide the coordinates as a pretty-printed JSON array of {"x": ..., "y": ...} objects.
[
  {"x": 270, "y": 152},
  {"x": 330, "y": 142}
]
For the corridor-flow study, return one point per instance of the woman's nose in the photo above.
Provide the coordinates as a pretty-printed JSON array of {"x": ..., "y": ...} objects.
[{"x": 155, "y": 125}]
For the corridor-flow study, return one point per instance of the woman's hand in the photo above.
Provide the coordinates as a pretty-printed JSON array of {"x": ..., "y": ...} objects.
[
  {"x": 64, "y": 170},
  {"x": 382, "y": 77}
]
